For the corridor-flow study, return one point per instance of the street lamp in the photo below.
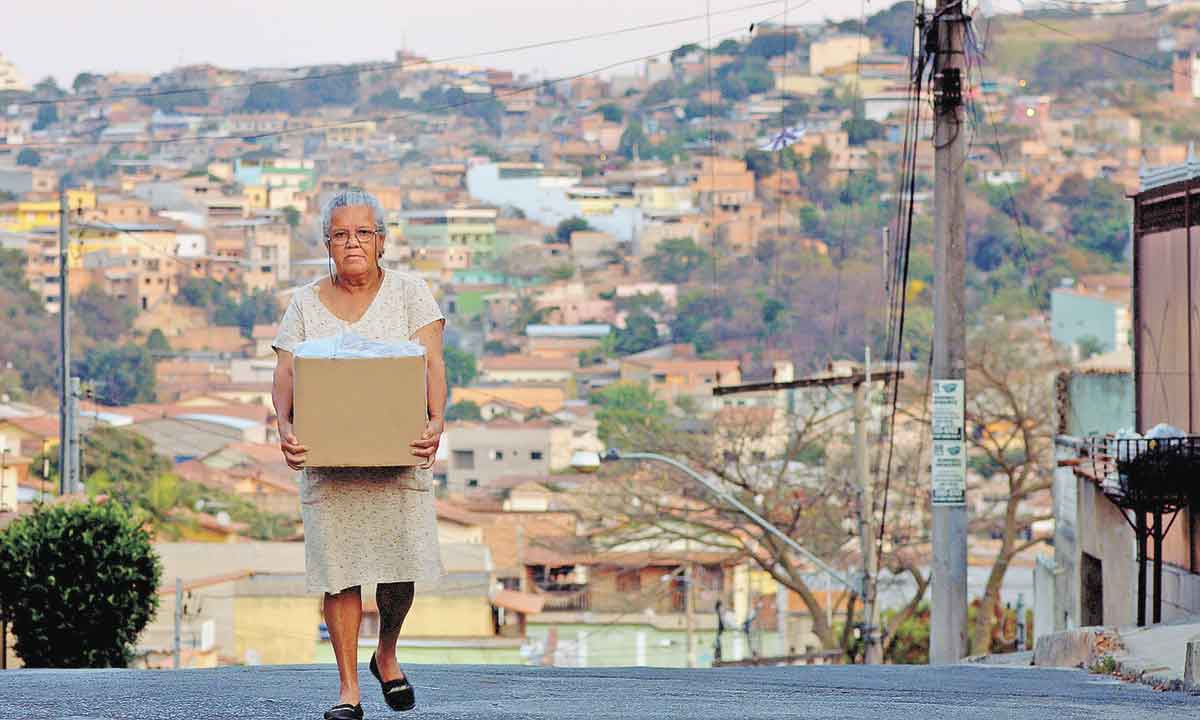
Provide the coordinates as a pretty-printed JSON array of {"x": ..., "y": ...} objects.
[{"x": 589, "y": 462}]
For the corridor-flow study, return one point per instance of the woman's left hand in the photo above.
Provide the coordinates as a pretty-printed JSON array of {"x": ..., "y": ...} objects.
[{"x": 427, "y": 446}]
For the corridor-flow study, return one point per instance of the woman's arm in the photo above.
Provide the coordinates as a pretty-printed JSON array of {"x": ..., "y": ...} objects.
[
  {"x": 435, "y": 389},
  {"x": 281, "y": 394}
]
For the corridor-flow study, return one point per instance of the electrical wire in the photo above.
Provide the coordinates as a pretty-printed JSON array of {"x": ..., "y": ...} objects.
[
  {"x": 360, "y": 69},
  {"x": 254, "y": 137},
  {"x": 1101, "y": 46},
  {"x": 905, "y": 243}
]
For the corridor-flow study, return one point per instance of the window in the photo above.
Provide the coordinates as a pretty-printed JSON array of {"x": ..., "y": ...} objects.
[
  {"x": 660, "y": 377},
  {"x": 497, "y": 455},
  {"x": 535, "y": 455},
  {"x": 463, "y": 459},
  {"x": 472, "y": 482}
]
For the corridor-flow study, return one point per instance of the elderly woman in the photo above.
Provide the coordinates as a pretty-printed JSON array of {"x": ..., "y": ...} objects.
[{"x": 365, "y": 525}]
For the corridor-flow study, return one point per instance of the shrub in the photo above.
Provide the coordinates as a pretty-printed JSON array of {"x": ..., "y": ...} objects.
[{"x": 78, "y": 585}]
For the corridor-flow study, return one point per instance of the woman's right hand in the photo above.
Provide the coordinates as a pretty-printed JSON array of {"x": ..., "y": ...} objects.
[{"x": 293, "y": 452}]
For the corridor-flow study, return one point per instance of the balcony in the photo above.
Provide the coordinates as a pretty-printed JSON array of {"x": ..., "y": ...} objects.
[{"x": 576, "y": 600}]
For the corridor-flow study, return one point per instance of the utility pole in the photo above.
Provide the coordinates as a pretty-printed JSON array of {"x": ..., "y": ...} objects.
[
  {"x": 76, "y": 444},
  {"x": 66, "y": 415},
  {"x": 948, "y": 631},
  {"x": 689, "y": 603},
  {"x": 3, "y": 475},
  {"x": 178, "y": 645},
  {"x": 873, "y": 647}
]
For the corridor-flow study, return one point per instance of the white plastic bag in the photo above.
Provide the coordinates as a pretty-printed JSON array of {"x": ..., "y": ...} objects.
[{"x": 349, "y": 345}]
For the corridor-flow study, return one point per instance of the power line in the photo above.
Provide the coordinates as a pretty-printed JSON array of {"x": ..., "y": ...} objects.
[
  {"x": 384, "y": 118},
  {"x": 919, "y": 58},
  {"x": 1101, "y": 46},
  {"x": 360, "y": 69}
]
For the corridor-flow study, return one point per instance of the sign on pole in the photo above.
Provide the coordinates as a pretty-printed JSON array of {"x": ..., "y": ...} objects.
[{"x": 949, "y": 472}]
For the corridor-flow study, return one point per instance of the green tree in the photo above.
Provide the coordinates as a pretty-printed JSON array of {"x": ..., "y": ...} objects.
[
  {"x": 80, "y": 585},
  {"x": 271, "y": 98},
  {"x": 460, "y": 366},
  {"x": 640, "y": 333},
  {"x": 768, "y": 45},
  {"x": 100, "y": 317},
  {"x": 759, "y": 162},
  {"x": 30, "y": 337},
  {"x": 125, "y": 373},
  {"x": 256, "y": 308},
  {"x": 1100, "y": 220},
  {"x": 684, "y": 51},
  {"x": 728, "y": 46},
  {"x": 156, "y": 342},
  {"x": 629, "y": 415},
  {"x": 860, "y": 130},
  {"x": 612, "y": 112},
  {"x": 633, "y": 138},
  {"x": 48, "y": 87},
  {"x": 693, "y": 321},
  {"x": 200, "y": 292},
  {"x": 1089, "y": 345},
  {"x": 47, "y": 115},
  {"x": 390, "y": 99},
  {"x": 84, "y": 81},
  {"x": 562, "y": 233},
  {"x": 659, "y": 93},
  {"x": 816, "y": 180},
  {"x": 464, "y": 410},
  {"x": 292, "y": 215},
  {"x": 773, "y": 312},
  {"x": 29, "y": 157},
  {"x": 675, "y": 259}
]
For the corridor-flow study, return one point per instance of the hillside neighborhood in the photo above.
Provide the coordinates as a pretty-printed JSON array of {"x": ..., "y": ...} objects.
[{"x": 618, "y": 254}]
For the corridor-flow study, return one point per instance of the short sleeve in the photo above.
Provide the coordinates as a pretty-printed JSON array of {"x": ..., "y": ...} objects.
[
  {"x": 291, "y": 327},
  {"x": 422, "y": 308}
]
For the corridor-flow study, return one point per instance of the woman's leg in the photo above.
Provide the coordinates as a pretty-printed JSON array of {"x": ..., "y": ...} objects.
[
  {"x": 394, "y": 600},
  {"x": 343, "y": 614}
]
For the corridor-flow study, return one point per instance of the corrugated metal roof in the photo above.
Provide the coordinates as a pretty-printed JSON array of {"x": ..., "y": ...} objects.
[
  {"x": 1167, "y": 174},
  {"x": 591, "y": 330}
]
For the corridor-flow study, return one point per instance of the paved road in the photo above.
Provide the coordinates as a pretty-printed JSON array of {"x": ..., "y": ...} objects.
[{"x": 468, "y": 692}]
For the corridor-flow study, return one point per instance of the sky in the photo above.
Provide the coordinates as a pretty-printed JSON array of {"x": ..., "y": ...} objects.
[{"x": 64, "y": 38}]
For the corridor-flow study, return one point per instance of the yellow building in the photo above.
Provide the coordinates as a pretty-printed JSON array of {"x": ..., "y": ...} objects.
[
  {"x": 354, "y": 133},
  {"x": 800, "y": 84},
  {"x": 257, "y": 196},
  {"x": 41, "y": 214}
]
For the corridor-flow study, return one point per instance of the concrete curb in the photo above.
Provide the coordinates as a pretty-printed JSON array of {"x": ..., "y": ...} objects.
[
  {"x": 1087, "y": 648},
  {"x": 1078, "y": 648}
]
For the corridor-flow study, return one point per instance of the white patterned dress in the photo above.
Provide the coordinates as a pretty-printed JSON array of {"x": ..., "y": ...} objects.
[{"x": 366, "y": 525}]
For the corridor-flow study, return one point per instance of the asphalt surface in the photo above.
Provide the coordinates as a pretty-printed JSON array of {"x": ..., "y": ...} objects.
[{"x": 467, "y": 692}]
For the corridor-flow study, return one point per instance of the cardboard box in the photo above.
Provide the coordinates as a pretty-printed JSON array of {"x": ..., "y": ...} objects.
[{"x": 357, "y": 412}]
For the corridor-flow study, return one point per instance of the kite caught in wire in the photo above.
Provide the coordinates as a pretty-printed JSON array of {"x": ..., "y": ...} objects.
[{"x": 782, "y": 139}]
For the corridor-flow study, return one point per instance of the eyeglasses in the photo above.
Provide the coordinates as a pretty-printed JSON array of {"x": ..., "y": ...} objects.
[{"x": 342, "y": 237}]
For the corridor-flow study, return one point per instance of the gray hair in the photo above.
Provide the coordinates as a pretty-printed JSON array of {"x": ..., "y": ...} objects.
[{"x": 352, "y": 198}]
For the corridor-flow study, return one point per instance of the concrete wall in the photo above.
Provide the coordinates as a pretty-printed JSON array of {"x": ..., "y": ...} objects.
[
  {"x": 1098, "y": 403},
  {"x": 1074, "y": 315},
  {"x": 1088, "y": 522},
  {"x": 445, "y": 616},
  {"x": 276, "y": 630},
  {"x": 1104, "y": 534}
]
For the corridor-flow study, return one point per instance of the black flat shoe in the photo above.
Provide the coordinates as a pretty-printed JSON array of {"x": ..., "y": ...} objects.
[
  {"x": 398, "y": 694},
  {"x": 345, "y": 711}
]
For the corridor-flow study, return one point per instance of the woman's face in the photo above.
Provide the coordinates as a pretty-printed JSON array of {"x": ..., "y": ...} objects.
[{"x": 353, "y": 243}]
